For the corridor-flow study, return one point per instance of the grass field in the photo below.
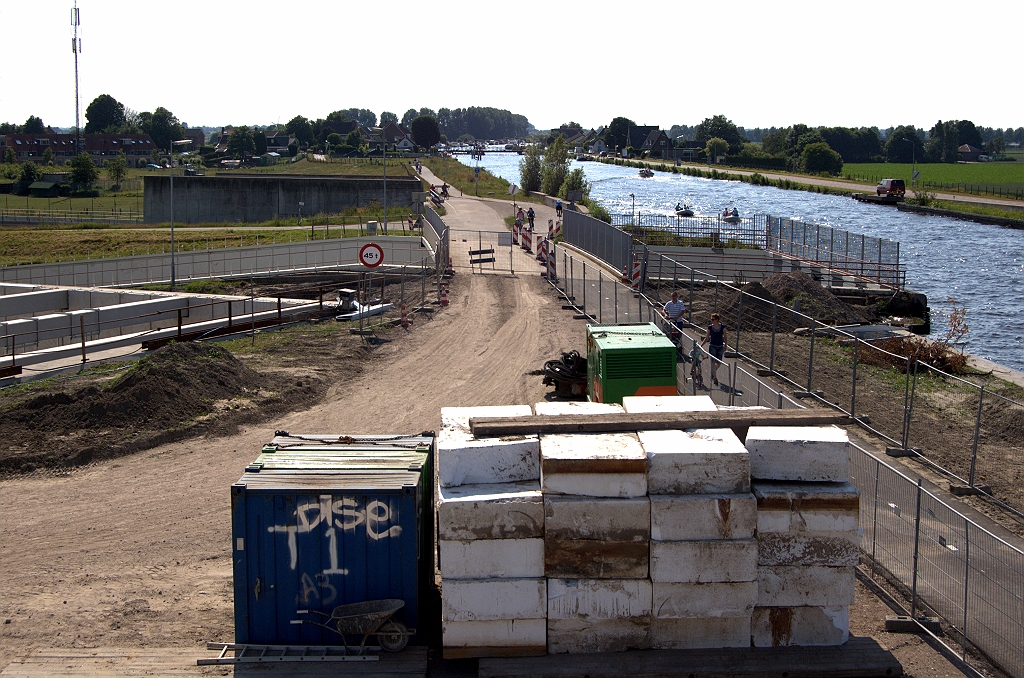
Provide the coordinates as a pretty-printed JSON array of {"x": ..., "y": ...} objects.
[
  {"x": 991, "y": 178},
  {"x": 463, "y": 179}
]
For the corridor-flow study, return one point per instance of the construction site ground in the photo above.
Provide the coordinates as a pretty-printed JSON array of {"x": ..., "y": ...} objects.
[{"x": 133, "y": 551}]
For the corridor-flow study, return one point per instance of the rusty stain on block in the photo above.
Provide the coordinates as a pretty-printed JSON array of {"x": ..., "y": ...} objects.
[{"x": 593, "y": 559}]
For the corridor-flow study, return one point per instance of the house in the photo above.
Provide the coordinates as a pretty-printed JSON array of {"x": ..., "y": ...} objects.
[
  {"x": 277, "y": 142},
  {"x": 968, "y": 153},
  {"x": 44, "y": 189},
  {"x": 648, "y": 138},
  {"x": 222, "y": 141},
  {"x": 102, "y": 147},
  {"x": 196, "y": 138},
  {"x": 593, "y": 141}
]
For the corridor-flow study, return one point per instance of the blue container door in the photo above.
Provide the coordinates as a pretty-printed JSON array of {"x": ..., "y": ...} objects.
[{"x": 316, "y": 552}]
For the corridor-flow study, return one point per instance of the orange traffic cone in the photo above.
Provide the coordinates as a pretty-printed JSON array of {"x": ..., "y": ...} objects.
[
  {"x": 444, "y": 295},
  {"x": 451, "y": 268},
  {"x": 625, "y": 276},
  {"x": 405, "y": 317}
]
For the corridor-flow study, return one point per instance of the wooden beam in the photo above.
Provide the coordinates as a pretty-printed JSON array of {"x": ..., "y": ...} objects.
[{"x": 652, "y": 421}]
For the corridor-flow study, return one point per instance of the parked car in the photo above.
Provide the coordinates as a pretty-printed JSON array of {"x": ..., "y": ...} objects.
[
  {"x": 891, "y": 188},
  {"x": 152, "y": 166}
]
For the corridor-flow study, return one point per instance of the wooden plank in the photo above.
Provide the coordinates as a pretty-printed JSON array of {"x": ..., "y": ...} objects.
[
  {"x": 649, "y": 421},
  {"x": 858, "y": 658},
  {"x": 175, "y": 661}
]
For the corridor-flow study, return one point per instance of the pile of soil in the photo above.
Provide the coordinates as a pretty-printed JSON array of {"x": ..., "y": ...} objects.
[
  {"x": 176, "y": 389},
  {"x": 757, "y": 307},
  {"x": 799, "y": 289}
]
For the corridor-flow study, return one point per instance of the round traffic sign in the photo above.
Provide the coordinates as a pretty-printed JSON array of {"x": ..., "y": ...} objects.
[
  {"x": 476, "y": 170},
  {"x": 371, "y": 255}
]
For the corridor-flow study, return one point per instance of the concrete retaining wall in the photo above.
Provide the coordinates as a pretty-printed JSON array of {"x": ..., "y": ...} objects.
[{"x": 213, "y": 199}]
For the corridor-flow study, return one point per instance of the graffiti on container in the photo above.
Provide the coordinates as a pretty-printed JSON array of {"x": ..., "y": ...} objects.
[{"x": 336, "y": 514}]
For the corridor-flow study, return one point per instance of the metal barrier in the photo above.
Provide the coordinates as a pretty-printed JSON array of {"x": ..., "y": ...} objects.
[
  {"x": 943, "y": 560},
  {"x": 857, "y": 254}
]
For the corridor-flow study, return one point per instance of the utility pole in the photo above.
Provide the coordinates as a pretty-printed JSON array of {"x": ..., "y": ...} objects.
[{"x": 76, "y": 47}]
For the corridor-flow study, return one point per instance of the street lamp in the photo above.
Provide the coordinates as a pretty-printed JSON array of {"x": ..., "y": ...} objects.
[
  {"x": 632, "y": 211},
  {"x": 913, "y": 159}
]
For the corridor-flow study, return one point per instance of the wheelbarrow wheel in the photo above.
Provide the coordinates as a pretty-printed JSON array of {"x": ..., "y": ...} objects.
[{"x": 393, "y": 637}]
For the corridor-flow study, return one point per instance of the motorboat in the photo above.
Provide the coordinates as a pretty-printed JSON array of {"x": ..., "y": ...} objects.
[
  {"x": 684, "y": 210},
  {"x": 646, "y": 172},
  {"x": 731, "y": 217}
]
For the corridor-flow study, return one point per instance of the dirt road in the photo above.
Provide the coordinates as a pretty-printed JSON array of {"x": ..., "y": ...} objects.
[{"x": 135, "y": 552}]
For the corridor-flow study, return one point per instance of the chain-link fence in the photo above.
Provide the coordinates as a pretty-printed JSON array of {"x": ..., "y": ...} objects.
[{"x": 943, "y": 561}]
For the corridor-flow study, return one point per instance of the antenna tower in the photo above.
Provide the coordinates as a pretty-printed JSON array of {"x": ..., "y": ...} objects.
[{"x": 76, "y": 47}]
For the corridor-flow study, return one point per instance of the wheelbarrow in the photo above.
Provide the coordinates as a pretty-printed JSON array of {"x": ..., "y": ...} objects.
[{"x": 369, "y": 618}]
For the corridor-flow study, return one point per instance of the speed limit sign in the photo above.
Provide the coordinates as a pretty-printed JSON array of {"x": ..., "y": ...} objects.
[{"x": 371, "y": 255}]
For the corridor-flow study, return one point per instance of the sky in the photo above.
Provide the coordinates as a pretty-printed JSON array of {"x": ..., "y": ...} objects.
[{"x": 761, "y": 63}]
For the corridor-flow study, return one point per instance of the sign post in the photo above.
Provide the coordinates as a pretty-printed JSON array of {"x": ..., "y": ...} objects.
[{"x": 371, "y": 255}]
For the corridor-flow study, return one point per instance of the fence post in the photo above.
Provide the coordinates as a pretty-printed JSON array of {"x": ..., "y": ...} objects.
[
  {"x": 917, "y": 541},
  {"x": 600, "y": 296},
  {"x": 810, "y": 361},
  {"x": 967, "y": 574},
  {"x": 732, "y": 383},
  {"x": 771, "y": 354},
  {"x": 81, "y": 331},
  {"x": 179, "y": 324},
  {"x": 977, "y": 429},
  {"x": 908, "y": 404},
  {"x": 874, "y": 519},
  {"x": 739, "y": 323},
  {"x": 689, "y": 307},
  {"x": 584, "y": 306},
  {"x": 853, "y": 386}
]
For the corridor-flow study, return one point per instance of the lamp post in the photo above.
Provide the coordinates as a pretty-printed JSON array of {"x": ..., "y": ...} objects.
[
  {"x": 632, "y": 211},
  {"x": 170, "y": 169}
]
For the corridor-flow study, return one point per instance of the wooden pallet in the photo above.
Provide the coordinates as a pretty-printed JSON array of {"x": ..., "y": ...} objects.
[{"x": 858, "y": 658}]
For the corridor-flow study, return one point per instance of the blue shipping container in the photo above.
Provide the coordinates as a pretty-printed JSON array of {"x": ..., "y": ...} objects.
[{"x": 322, "y": 521}]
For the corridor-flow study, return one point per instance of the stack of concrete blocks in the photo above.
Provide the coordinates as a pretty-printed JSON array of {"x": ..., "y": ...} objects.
[
  {"x": 807, "y": 533},
  {"x": 597, "y": 525},
  {"x": 490, "y": 518},
  {"x": 703, "y": 517}
]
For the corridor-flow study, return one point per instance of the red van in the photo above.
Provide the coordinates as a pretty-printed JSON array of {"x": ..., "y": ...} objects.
[{"x": 891, "y": 187}]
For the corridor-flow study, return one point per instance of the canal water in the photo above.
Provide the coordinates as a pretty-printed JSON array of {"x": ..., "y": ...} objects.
[{"x": 980, "y": 266}]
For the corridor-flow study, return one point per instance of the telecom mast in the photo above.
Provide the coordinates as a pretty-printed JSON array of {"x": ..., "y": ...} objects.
[{"x": 76, "y": 47}]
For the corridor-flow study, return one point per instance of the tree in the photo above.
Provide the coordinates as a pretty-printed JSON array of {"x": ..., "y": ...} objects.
[
  {"x": 529, "y": 168},
  {"x": 260, "y": 138},
  {"x": 33, "y": 125},
  {"x": 997, "y": 146},
  {"x": 715, "y": 147},
  {"x": 163, "y": 127},
  {"x": 117, "y": 169},
  {"x": 968, "y": 133},
  {"x": 29, "y": 172},
  {"x": 105, "y": 113},
  {"x": 409, "y": 116},
  {"x": 818, "y": 157},
  {"x": 354, "y": 139},
  {"x": 334, "y": 139},
  {"x": 300, "y": 128},
  {"x": 904, "y": 145},
  {"x": 386, "y": 117},
  {"x": 241, "y": 143},
  {"x": 615, "y": 134},
  {"x": 575, "y": 180},
  {"x": 9, "y": 156},
  {"x": 83, "y": 171},
  {"x": 48, "y": 156},
  {"x": 425, "y": 131},
  {"x": 555, "y": 166},
  {"x": 721, "y": 127}
]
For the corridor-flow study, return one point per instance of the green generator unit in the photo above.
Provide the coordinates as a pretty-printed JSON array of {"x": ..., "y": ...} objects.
[{"x": 634, "y": 359}]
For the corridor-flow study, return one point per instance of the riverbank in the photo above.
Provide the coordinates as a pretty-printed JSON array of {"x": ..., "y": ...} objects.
[{"x": 962, "y": 214}]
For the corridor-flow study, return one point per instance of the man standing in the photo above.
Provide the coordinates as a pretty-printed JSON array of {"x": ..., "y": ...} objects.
[
  {"x": 674, "y": 310},
  {"x": 529, "y": 215},
  {"x": 717, "y": 338}
]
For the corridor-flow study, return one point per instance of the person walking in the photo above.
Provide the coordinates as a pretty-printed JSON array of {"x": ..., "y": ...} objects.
[
  {"x": 520, "y": 216},
  {"x": 674, "y": 310},
  {"x": 558, "y": 209},
  {"x": 716, "y": 340},
  {"x": 529, "y": 215}
]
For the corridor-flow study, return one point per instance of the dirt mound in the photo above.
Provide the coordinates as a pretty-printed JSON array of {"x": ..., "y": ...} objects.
[
  {"x": 165, "y": 392},
  {"x": 757, "y": 307},
  {"x": 803, "y": 293}
]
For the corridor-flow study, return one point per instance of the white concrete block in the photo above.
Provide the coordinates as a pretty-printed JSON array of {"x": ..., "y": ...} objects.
[
  {"x": 814, "y": 586},
  {"x": 593, "y": 464},
  {"x": 492, "y": 558},
  {"x": 464, "y": 600},
  {"x": 645, "y": 404},
  {"x": 498, "y": 633},
  {"x": 571, "y": 517},
  {"x": 583, "y": 636},
  {"x": 598, "y": 598},
  {"x": 702, "y": 516},
  {"x": 781, "y": 626},
  {"x": 719, "y": 599},
  {"x": 704, "y": 561},
  {"x": 697, "y": 461},
  {"x": 833, "y": 549},
  {"x": 465, "y": 460},
  {"x": 458, "y": 417},
  {"x": 557, "y": 407},
  {"x": 810, "y": 453},
  {"x": 596, "y": 559},
  {"x": 499, "y": 511},
  {"x": 806, "y": 507},
  {"x": 689, "y": 634}
]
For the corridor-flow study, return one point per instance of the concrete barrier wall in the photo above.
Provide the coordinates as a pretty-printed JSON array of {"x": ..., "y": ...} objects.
[
  {"x": 252, "y": 199},
  {"x": 218, "y": 263},
  {"x": 32, "y": 303}
]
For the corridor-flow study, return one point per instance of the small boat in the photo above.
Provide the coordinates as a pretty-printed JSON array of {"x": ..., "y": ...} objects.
[
  {"x": 731, "y": 217},
  {"x": 646, "y": 173},
  {"x": 684, "y": 211}
]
